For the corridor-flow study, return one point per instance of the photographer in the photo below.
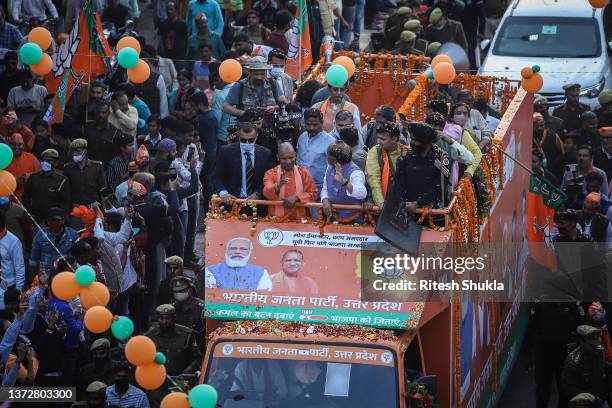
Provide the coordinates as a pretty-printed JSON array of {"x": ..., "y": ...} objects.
[
  {"x": 584, "y": 165},
  {"x": 255, "y": 91}
]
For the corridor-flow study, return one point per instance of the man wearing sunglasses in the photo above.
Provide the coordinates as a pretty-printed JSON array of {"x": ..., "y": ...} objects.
[{"x": 252, "y": 160}]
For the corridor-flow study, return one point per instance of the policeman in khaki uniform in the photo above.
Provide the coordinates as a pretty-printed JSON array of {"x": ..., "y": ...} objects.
[
  {"x": 96, "y": 397},
  {"x": 540, "y": 105},
  {"x": 405, "y": 45},
  {"x": 176, "y": 341},
  {"x": 189, "y": 308},
  {"x": 86, "y": 176},
  {"x": 571, "y": 110},
  {"x": 585, "y": 400}
]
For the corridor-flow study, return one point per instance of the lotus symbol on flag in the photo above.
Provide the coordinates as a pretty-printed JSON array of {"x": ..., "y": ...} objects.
[{"x": 62, "y": 60}]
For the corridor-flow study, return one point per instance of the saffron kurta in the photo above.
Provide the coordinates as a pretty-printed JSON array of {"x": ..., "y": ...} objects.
[{"x": 308, "y": 191}]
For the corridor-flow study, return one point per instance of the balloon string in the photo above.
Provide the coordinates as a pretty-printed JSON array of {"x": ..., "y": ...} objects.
[{"x": 38, "y": 226}]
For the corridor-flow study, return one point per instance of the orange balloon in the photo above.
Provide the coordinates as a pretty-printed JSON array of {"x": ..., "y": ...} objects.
[
  {"x": 98, "y": 319},
  {"x": 175, "y": 400},
  {"x": 444, "y": 73},
  {"x": 533, "y": 84},
  {"x": 440, "y": 58},
  {"x": 527, "y": 72},
  {"x": 65, "y": 286},
  {"x": 44, "y": 66},
  {"x": 40, "y": 36},
  {"x": 230, "y": 70},
  {"x": 140, "y": 350},
  {"x": 8, "y": 184},
  {"x": 139, "y": 73},
  {"x": 347, "y": 63},
  {"x": 96, "y": 294},
  {"x": 598, "y": 3},
  {"x": 62, "y": 37},
  {"x": 151, "y": 376},
  {"x": 128, "y": 42}
]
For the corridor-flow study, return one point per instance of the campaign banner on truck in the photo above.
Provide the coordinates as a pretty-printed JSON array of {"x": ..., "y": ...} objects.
[{"x": 289, "y": 272}]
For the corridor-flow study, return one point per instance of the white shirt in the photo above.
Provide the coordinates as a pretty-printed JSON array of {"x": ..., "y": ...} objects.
[
  {"x": 26, "y": 9},
  {"x": 357, "y": 179},
  {"x": 265, "y": 283},
  {"x": 11, "y": 260}
]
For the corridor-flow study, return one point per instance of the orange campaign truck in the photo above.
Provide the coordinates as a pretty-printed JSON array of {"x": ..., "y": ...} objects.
[{"x": 318, "y": 342}]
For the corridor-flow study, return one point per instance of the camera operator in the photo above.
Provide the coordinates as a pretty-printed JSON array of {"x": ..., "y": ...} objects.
[
  {"x": 254, "y": 91},
  {"x": 584, "y": 165}
]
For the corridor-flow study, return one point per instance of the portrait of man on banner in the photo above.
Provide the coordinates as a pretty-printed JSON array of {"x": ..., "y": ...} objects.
[{"x": 235, "y": 272}]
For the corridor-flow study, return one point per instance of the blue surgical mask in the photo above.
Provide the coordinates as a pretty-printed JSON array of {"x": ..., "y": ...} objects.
[
  {"x": 77, "y": 158},
  {"x": 45, "y": 166},
  {"x": 438, "y": 27},
  {"x": 276, "y": 72},
  {"x": 247, "y": 147}
]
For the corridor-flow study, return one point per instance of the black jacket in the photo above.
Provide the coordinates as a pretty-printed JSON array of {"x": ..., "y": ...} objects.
[{"x": 228, "y": 169}]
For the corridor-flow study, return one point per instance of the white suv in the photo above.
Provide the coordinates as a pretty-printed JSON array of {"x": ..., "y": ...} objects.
[{"x": 570, "y": 42}]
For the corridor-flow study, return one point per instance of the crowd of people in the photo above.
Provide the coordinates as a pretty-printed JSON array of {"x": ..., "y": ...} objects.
[{"x": 123, "y": 183}]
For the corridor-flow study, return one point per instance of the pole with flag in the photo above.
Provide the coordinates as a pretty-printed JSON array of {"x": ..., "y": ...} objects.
[
  {"x": 299, "y": 56},
  {"x": 80, "y": 57}
]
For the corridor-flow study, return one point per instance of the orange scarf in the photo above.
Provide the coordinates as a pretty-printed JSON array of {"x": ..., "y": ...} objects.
[
  {"x": 386, "y": 172},
  {"x": 279, "y": 210}
]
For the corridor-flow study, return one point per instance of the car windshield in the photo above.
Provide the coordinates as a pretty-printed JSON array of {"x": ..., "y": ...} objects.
[
  {"x": 548, "y": 37},
  {"x": 274, "y": 375}
]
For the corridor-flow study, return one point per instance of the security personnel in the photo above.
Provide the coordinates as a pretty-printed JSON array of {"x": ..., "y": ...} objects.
[
  {"x": 571, "y": 110},
  {"x": 414, "y": 26},
  {"x": 95, "y": 395},
  {"x": 405, "y": 45},
  {"x": 395, "y": 25},
  {"x": 48, "y": 188},
  {"x": 99, "y": 370},
  {"x": 176, "y": 341},
  {"x": 585, "y": 399},
  {"x": 189, "y": 307},
  {"x": 174, "y": 267},
  {"x": 86, "y": 176},
  {"x": 584, "y": 370},
  {"x": 540, "y": 105},
  {"x": 422, "y": 170}
]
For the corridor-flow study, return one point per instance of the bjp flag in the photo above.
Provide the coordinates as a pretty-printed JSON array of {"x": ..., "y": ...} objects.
[
  {"x": 541, "y": 203},
  {"x": 79, "y": 59},
  {"x": 300, "y": 34}
]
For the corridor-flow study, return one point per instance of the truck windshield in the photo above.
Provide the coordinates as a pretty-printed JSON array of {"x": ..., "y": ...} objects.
[
  {"x": 551, "y": 37},
  {"x": 271, "y": 375}
]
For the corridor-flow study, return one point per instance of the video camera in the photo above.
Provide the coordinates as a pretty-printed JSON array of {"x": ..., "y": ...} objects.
[
  {"x": 279, "y": 125},
  {"x": 576, "y": 182}
]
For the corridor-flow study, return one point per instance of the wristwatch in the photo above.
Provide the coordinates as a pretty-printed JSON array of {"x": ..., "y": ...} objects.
[{"x": 345, "y": 183}]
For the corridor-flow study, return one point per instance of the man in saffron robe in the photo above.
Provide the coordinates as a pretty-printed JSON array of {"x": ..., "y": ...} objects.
[
  {"x": 236, "y": 272},
  {"x": 290, "y": 279},
  {"x": 290, "y": 184},
  {"x": 23, "y": 163}
]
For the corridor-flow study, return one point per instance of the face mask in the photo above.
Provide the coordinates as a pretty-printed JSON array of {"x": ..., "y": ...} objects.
[
  {"x": 597, "y": 317},
  {"x": 247, "y": 147},
  {"x": 45, "y": 166},
  {"x": 181, "y": 296},
  {"x": 438, "y": 27},
  {"x": 78, "y": 158},
  {"x": 460, "y": 120},
  {"x": 276, "y": 72}
]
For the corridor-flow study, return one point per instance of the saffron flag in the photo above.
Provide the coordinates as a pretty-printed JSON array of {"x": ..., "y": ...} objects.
[
  {"x": 79, "y": 59},
  {"x": 541, "y": 203},
  {"x": 300, "y": 34}
]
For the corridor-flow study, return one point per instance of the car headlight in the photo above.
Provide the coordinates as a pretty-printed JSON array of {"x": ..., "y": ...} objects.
[{"x": 593, "y": 91}]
